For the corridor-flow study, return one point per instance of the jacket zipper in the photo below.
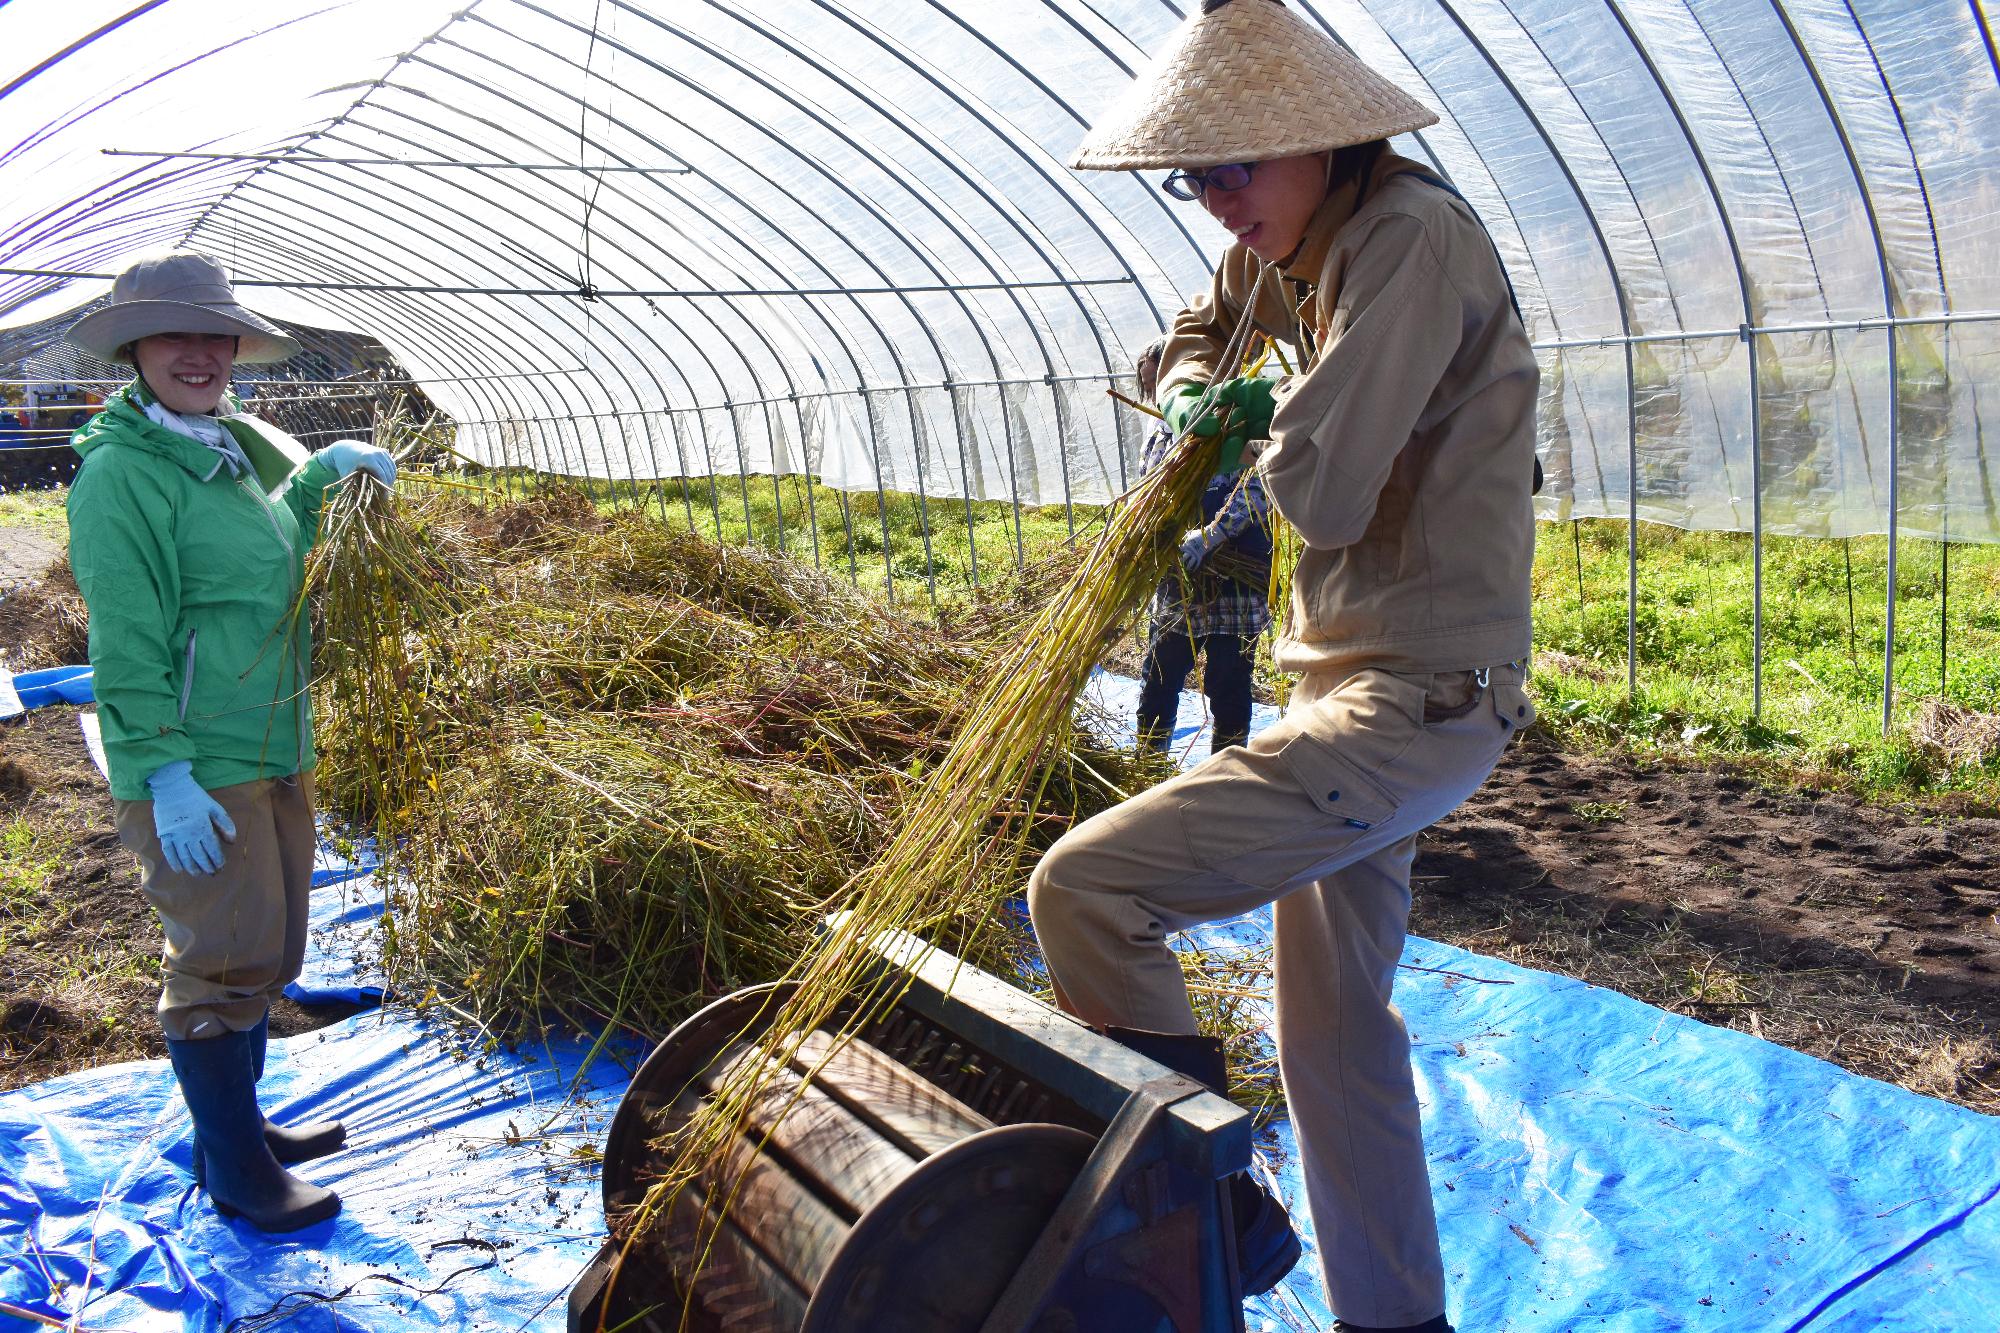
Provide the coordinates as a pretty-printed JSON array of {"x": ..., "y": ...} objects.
[
  {"x": 264, "y": 504},
  {"x": 187, "y": 677}
]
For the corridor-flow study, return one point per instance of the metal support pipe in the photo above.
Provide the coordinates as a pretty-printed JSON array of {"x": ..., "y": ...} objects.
[
  {"x": 1944, "y": 616},
  {"x": 589, "y": 293},
  {"x": 1756, "y": 534},
  {"x": 860, "y": 391},
  {"x": 1895, "y": 498},
  {"x": 289, "y": 160},
  {"x": 806, "y": 480},
  {"x": 1745, "y": 293},
  {"x": 918, "y": 435},
  {"x": 1863, "y": 324},
  {"x": 881, "y": 494},
  {"x": 1062, "y": 456},
  {"x": 1631, "y": 529},
  {"x": 1889, "y": 322}
]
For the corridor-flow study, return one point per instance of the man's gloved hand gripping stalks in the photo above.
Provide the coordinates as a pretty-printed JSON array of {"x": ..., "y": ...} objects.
[{"x": 1239, "y": 408}]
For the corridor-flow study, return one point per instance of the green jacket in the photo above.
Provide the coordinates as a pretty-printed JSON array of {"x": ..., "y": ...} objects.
[{"x": 192, "y": 577}]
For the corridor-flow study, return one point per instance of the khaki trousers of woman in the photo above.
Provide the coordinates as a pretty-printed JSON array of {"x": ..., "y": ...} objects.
[
  {"x": 234, "y": 938},
  {"x": 1319, "y": 815}
]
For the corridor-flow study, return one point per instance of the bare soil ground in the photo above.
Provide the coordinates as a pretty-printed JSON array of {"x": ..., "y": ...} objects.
[{"x": 1865, "y": 935}]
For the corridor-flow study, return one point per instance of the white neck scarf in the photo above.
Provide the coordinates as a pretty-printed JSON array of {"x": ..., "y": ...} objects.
[{"x": 202, "y": 429}]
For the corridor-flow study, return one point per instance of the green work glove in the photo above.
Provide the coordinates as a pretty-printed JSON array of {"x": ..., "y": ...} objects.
[
  {"x": 1250, "y": 407},
  {"x": 1178, "y": 408}
]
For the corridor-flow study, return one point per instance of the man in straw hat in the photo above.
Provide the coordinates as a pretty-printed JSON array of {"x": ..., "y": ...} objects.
[
  {"x": 189, "y": 525},
  {"x": 1402, "y": 452}
]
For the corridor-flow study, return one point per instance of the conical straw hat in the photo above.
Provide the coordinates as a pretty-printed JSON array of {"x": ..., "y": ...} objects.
[{"x": 1249, "y": 81}]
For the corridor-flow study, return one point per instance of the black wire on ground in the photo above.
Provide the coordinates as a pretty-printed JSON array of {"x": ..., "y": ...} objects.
[{"x": 294, "y": 1301}]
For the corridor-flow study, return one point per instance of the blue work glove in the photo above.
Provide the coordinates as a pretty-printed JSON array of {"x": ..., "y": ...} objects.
[
  {"x": 343, "y": 456},
  {"x": 186, "y": 818},
  {"x": 1250, "y": 405},
  {"x": 1195, "y": 548}
]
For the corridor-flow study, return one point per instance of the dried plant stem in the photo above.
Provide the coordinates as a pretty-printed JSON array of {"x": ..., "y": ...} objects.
[{"x": 932, "y": 870}]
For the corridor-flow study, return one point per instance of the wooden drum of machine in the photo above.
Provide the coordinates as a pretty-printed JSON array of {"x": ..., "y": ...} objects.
[{"x": 952, "y": 1162}]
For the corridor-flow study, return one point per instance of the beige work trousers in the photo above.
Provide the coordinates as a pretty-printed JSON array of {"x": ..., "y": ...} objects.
[
  {"x": 234, "y": 938},
  {"x": 1318, "y": 814}
]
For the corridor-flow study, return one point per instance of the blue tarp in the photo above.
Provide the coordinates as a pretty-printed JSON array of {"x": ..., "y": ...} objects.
[
  {"x": 470, "y": 1192},
  {"x": 39, "y": 689},
  {"x": 343, "y": 944},
  {"x": 1598, "y": 1164}
]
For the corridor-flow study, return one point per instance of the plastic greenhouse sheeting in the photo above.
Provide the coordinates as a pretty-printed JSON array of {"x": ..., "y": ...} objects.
[
  {"x": 1757, "y": 241},
  {"x": 1598, "y": 1164}
]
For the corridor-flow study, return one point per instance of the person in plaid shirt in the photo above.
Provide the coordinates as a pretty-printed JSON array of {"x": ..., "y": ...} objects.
[{"x": 1216, "y": 604}]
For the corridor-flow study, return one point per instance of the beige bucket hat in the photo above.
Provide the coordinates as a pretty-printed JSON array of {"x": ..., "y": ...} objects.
[
  {"x": 1247, "y": 81},
  {"x": 181, "y": 292}
]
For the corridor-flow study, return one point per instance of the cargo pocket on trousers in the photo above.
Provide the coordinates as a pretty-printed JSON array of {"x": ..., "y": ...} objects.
[
  {"x": 1337, "y": 785},
  {"x": 1512, "y": 706},
  {"x": 1451, "y": 696}
]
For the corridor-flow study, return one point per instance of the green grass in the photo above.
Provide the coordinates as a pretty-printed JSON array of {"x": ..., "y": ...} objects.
[
  {"x": 30, "y": 857},
  {"x": 40, "y": 512},
  {"x": 1824, "y": 616},
  {"x": 936, "y": 548}
]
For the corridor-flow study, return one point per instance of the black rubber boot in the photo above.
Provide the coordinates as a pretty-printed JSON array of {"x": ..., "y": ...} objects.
[
  {"x": 1266, "y": 1246},
  {"x": 292, "y": 1143},
  {"x": 1437, "y": 1325},
  {"x": 295, "y": 1143},
  {"x": 218, "y": 1082}
]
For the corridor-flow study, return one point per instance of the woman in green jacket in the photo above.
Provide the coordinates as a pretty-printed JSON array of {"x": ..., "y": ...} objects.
[{"x": 189, "y": 527}]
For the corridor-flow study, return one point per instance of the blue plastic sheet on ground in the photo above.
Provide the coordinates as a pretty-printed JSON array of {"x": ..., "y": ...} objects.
[
  {"x": 469, "y": 1189},
  {"x": 343, "y": 940},
  {"x": 49, "y": 685},
  {"x": 1117, "y": 698},
  {"x": 1598, "y": 1164}
]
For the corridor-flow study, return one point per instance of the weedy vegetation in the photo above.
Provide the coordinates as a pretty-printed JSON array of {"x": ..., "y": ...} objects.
[
  {"x": 1825, "y": 619},
  {"x": 620, "y": 769},
  {"x": 1824, "y": 623},
  {"x": 39, "y": 512}
]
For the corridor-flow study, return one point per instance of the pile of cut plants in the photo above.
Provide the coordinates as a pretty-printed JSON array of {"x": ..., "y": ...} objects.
[{"x": 618, "y": 769}]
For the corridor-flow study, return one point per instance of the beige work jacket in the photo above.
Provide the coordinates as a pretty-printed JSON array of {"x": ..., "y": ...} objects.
[{"x": 1404, "y": 452}]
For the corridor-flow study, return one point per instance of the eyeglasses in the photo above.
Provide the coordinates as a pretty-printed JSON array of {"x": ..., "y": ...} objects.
[{"x": 1194, "y": 184}]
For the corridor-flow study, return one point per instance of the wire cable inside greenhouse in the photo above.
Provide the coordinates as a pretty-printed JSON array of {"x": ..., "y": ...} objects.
[{"x": 1187, "y": 666}]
